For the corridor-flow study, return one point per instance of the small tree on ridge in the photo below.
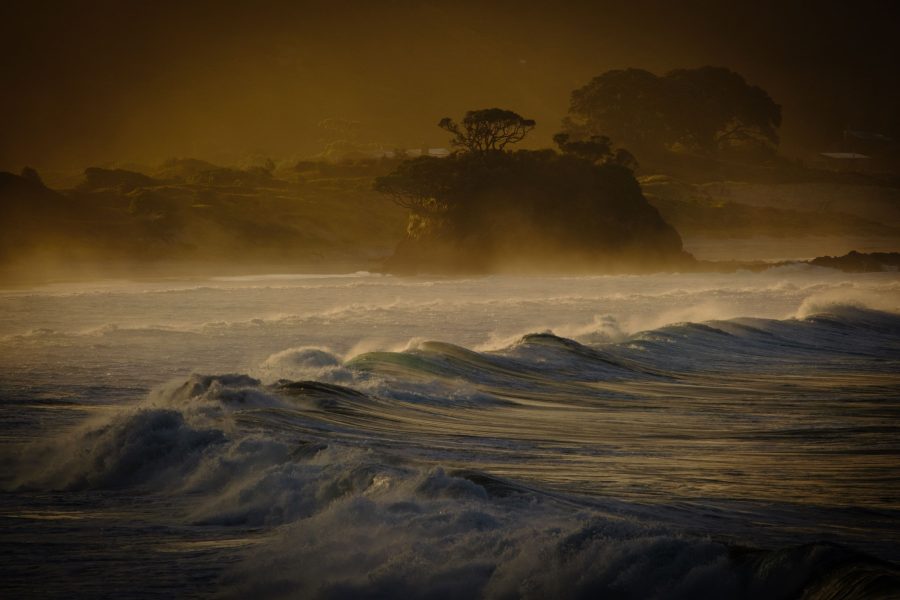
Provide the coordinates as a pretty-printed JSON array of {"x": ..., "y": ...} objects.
[{"x": 487, "y": 129}]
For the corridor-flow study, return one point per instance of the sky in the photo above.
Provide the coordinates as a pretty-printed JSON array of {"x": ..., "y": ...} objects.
[{"x": 104, "y": 83}]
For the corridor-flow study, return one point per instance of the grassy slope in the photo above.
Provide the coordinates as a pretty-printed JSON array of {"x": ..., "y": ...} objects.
[
  {"x": 743, "y": 210},
  {"x": 121, "y": 223}
]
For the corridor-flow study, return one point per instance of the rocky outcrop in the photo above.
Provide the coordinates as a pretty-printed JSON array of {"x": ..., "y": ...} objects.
[{"x": 859, "y": 262}]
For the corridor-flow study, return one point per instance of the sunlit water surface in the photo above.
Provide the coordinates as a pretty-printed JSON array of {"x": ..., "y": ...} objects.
[{"x": 668, "y": 436}]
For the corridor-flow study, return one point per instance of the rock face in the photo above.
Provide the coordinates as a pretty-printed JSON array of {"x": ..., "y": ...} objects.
[
  {"x": 533, "y": 211},
  {"x": 858, "y": 262}
]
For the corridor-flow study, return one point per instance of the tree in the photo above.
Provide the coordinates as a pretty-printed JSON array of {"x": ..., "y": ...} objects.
[
  {"x": 419, "y": 184},
  {"x": 709, "y": 110},
  {"x": 427, "y": 185},
  {"x": 597, "y": 148},
  {"x": 627, "y": 105},
  {"x": 714, "y": 110},
  {"x": 487, "y": 129}
]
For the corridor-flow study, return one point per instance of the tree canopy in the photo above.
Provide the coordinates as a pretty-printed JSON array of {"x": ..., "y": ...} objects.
[
  {"x": 714, "y": 109},
  {"x": 487, "y": 129},
  {"x": 597, "y": 149},
  {"x": 709, "y": 110},
  {"x": 420, "y": 184},
  {"x": 484, "y": 207}
]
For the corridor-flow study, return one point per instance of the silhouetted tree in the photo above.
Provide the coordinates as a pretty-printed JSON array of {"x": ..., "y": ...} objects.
[
  {"x": 714, "y": 109},
  {"x": 627, "y": 105},
  {"x": 597, "y": 149},
  {"x": 707, "y": 110},
  {"x": 420, "y": 184},
  {"x": 487, "y": 129}
]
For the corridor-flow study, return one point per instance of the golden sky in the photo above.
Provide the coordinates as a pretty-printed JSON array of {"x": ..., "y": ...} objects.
[{"x": 102, "y": 82}]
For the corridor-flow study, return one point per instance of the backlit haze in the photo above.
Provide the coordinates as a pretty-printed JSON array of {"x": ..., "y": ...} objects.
[
  {"x": 101, "y": 83},
  {"x": 450, "y": 299}
]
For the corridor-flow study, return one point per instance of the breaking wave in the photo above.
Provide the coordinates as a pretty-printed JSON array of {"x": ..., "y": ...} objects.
[{"x": 538, "y": 469}]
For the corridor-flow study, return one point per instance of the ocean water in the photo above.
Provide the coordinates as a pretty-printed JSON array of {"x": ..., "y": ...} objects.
[{"x": 290, "y": 436}]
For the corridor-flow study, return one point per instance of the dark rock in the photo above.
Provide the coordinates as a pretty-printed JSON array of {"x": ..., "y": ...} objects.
[{"x": 859, "y": 262}]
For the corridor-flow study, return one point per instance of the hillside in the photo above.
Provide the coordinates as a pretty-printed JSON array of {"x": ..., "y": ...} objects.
[
  {"x": 191, "y": 215},
  {"x": 740, "y": 220}
]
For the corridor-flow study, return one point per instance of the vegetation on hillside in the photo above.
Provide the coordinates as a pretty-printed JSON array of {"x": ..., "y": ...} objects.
[
  {"x": 485, "y": 208},
  {"x": 710, "y": 111},
  {"x": 189, "y": 212}
]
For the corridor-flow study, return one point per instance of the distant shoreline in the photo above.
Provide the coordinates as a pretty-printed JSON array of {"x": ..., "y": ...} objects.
[{"x": 11, "y": 279}]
